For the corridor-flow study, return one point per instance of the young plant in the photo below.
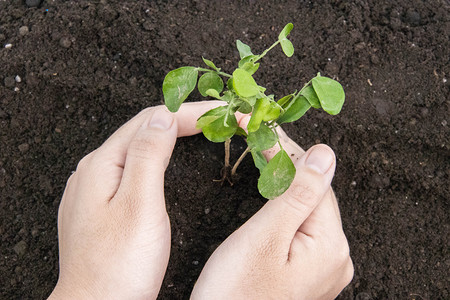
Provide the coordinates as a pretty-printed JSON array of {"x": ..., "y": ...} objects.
[{"x": 242, "y": 93}]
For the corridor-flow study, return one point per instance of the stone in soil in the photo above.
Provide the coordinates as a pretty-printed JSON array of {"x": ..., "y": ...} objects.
[
  {"x": 20, "y": 248},
  {"x": 9, "y": 81},
  {"x": 23, "y": 30},
  {"x": 33, "y": 3}
]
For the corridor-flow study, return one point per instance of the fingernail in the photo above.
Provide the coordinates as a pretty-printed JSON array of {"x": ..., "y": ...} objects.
[
  {"x": 161, "y": 119},
  {"x": 320, "y": 159}
]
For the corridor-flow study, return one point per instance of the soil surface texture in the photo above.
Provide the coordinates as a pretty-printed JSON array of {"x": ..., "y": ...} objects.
[{"x": 72, "y": 72}]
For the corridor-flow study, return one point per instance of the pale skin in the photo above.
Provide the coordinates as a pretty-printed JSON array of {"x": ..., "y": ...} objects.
[{"x": 114, "y": 231}]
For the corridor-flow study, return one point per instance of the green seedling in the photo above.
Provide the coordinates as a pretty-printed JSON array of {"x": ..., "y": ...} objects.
[{"x": 242, "y": 94}]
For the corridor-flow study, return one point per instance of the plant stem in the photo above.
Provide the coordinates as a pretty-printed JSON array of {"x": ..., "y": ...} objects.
[
  {"x": 220, "y": 73},
  {"x": 265, "y": 51},
  {"x": 227, "y": 153},
  {"x": 236, "y": 165}
]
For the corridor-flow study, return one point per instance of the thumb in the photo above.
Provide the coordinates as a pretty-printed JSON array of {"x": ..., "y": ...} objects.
[
  {"x": 315, "y": 170},
  {"x": 147, "y": 157}
]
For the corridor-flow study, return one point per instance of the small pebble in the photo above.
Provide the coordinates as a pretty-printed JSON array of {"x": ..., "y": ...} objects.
[
  {"x": 8, "y": 46},
  {"x": 24, "y": 147},
  {"x": 20, "y": 248},
  {"x": 207, "y": 210},
  {"x": 413, "y": 17},
  {"x": 18, "y": 79},
  {"x": 65, "y": 42},
  {"x": 9, "y": 81},
  {"x": 33, "y": 3},
  {"x": 149, "y": 26},
  {"x": 23, "y": 30}
]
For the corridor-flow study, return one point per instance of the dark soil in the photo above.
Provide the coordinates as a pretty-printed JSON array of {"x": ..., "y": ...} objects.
[{"x": 87, "y": 67}]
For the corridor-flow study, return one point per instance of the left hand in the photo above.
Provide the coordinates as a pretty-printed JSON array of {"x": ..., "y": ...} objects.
[{"x": 114, "y": 231}]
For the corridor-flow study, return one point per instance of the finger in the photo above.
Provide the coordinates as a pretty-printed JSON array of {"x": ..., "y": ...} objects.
[
  {"x": 102, "y": 169},
  {"x": 286, "y": 213},
  {"x": 324, "y": 220},
  {"x": 292, "y": 148},
  {"x": 147, "y": 156},
  {"x": 295, "y": 152},
  {"x": 186, "y": 117}
]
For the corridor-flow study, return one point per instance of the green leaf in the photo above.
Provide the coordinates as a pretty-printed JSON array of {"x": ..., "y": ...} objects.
[
  {"x": 287, "y": 47},
  {"x": 259, "y": 159},
  {"x": 285, "y": 100},
  {"x": 311, "y": 96},
  {"x": 273, "y": 112},
  {"x": 177, "y": 86},
  {"x": 244, "y": 84},
  {"x": 230, "y": 84},
  {"x": 246, "y": 59},
  {"x": 210, "y": 64},
  {"x": 330, "y": 93},
  {"x": 228, "y": 96},
  {"x": 250, "y": 100},
  {"x": 294, "y": 110},
  {"x": 241, "y": 132},
  {"x": 277, "y": 176},
  {"x": 208, "y": 81},
  {"x": 248, "y": 65},
  {"x": 262, "y": 139},
  {"x": 211, "y": 116},
  {"x": 244, "y": 107},
  {"x": 259, "y": 111},
  {"x": 244, "y": 50},
  {"x": 285, "y": 32},
  {"x": 213, "y": 127},
  {"x": 213, "y": 93}
]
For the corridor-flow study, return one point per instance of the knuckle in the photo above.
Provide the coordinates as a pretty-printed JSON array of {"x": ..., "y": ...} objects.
[
  {"x": 84, "y": 162},
  {"x": 302, "y": 197},
  {"x": 343, "y": 251},
  {"x": 349, "y": 273},
  {"x": 142, "y": 147}
]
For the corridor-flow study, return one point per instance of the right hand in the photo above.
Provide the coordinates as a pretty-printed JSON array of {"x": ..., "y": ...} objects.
[{"x": 293, "y": 248}]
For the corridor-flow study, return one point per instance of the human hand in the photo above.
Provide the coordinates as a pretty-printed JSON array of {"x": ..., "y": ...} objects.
[
  {"x": 113, "y": 228},
  {"x": 293, "y": 248}
]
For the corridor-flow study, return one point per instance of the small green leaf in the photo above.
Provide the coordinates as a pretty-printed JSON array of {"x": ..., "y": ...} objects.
[
  {"x": 259, "y": 159},
  {"x": 228, "y": 96},
  {"x": 177, "y": 86},
  {"x": 244, "y": 50},
  {"x": 287, "y": 47},
  {"x": 277, "y": 176},
  {"x": 273, "y": 112},
  {"x": 250, "y": 100},
  {"x": 230, "y": 84},
  {"x": 244, "y": 84},
  {"x": 294, "y": 110},
  {"x": 248, "y": 65},
  {"x": 285, "y": 32},
  {"x": 311, "y": 96},
  {"x": 210, "y": 116},
  {"x": 247, "y": 59},
  {"x": 244, "y": 107},
  {"x": 284, "y": 100},
  {"x": 208, "y": 81},
  {"x": 213, "y": 127},
  {"x": 330, "y": 93},
  {"x": 213, "y": 93},
  {"x": 259, "y": 111},
  {"x": 241, "y": 132},
  {"x": 262, "y": 139},
  {"x": 210, "y": 64}
]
